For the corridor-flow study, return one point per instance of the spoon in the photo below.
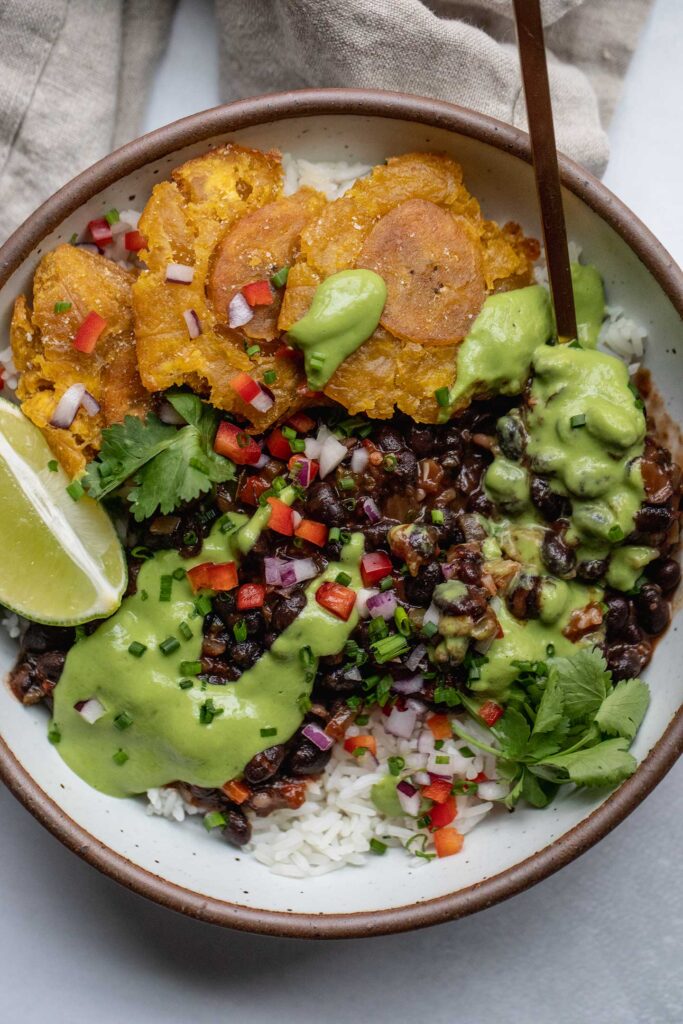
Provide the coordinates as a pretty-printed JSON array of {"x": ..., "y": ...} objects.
[{"x": 543, "y": 150}]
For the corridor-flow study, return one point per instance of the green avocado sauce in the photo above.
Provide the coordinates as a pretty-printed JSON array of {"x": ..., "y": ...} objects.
[
  {"x": 165, "y": 738},
  {"x": 589, "y": 300},
  {"x": 344, "y": 313}
]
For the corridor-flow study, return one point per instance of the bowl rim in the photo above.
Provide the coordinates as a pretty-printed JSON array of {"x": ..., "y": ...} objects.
[{"x": 663, "y": 755}]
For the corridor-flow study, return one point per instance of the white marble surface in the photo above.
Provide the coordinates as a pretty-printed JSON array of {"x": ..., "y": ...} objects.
[{"x": 599, "y": 942}]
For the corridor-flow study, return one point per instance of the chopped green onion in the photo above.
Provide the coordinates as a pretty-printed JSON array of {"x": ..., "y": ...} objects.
[
  {"x": 550, "y": 650},
  {"x": 227, "y": 526},
  {"x": 169, "y": 645},
  {"x": 214, "y": 819},
  {"x": 362, "y": 719},
  {"x": 190, "y": 668},
  {"x": 53, "y": 465},
  {"x": 402, "y": 621},
  {"x": 396, "y": 764},
  {"x": 185, "y": 684},
  {"x": 279, "y": 278},
  {"x": 303, "y": 702},
  {"x": 578, "y": 421},
  {"x": 75, "y": 490},
  {"x": 386, "y": 583},
  {"x": 378, "y": 847},
  {"x": 446, "y": 695},
  {"x": 347, "y": 483},
  {"x": 253, "y": 350},
  {"x": 270, "y": 731},
  {"x": 269, "y": 377},
  {"x": 190, "y": 538},
  {"x": 112, "y": 217},
  {"x": 317, "y": 360},
  {"x": 120, "y": 757},
  {"x": 345, "y": 536},
  {"x": 203, "y": 604},
  {"x": 239, "y": 631},
  {"x": 74, "y": 238},
  {"x": 616, "y": 533},
  {"x": 349, "y": 503},
  {"x": 53, "y": 734},
  {"x": 142, "y": 552},
  {"x": 289, "y": 433},
  {"x": 429, "y": 629},
  {"x": 343, "y": 578},
  {"x": 165, "y": 588},
  {"x": 389, "y": 647},
  {"x": 208, "y": 711},
  {"x": 438, "y": 744},
  {"x": 298, "y": 445},
  {"x": 442, "y": 397},
  {"x": 62, "y": 307},
  {"x": 377, "y": 629},
  {"x": 185, "y": 630},
  {"x": 123, "y": 721},
  {"x": 437, "y": 517},
  {"x": 179, "y": 573},
  {"x": 334, "y": 534},
  {"x": 390, "y": 462},
  {"x": 463, "y": 786},
  {"x": 442, "y": 759}
]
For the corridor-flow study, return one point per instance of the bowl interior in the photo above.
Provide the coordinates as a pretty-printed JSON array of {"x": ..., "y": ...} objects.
[{"x": 185, "y": 855}]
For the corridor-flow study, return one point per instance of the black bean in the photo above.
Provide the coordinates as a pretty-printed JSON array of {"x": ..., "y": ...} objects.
[
  {"x": 512, "y": 435},
  {"x": 652, "y": 609},
  {"x": 336, "y": 683},
  {"x": 224, "y": 606},
  {"x": 244, "y": 654},
  {"x": 471, "y": 604},
  {"x": 470, "y": 474},
  {"x": 419, "y": 589},
  {"x": 421, "y": 439},
  {"x": 550, "y": 504},
  {"x": 654, "y": 518},
  {"x": 388, "y": 438},
  {"x": 237, "y": 831},
  {"x": 285, "y": 608},
  {"x": 307, "y": 759},
  {"x": 557, "y": 556},
  {"x": 626, "y": 661},
  {"x": 523, "y": 599},
  {"x": 405, "y": 470},
  {"x": 324, "y": 505},
  {"x": 376, "y": 533},
  {"x": 479, "y": 502},
  {"x": 617, "y": 616},
  {"x": 37, "y": 639},
  {"x": 450, "y": 530},
  {"x": 264, "y": 765},
  {"x": 592, "y": 569},
  {"x": 666, "y": 572}
]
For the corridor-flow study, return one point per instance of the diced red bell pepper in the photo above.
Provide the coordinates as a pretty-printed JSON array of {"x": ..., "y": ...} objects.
[
  {"x": 213, "y": 576},
  {"x": 374, "y": 566},
  {"x": 490, "y": 712},
  {"x": 438, "y": 790},
  {"x": 100, "y": 232},
  {"x": 337, "y": 599},
  {"x": 314, "y": 533},
  {"x": 440, "y": 727},
  {"x": 443, "y": 814},
  {"x": 134, "y": 241},
  {"x": 313, "y": 467},
  {"x": 281, "y": 517},
  {"x": 448, "y": 841},
  {"x": 258, "y": 293},
  {"x": 301, "y": 422},
  {"x": 250, "y": 595},
  {"x": 234, "y": 443},
  {"x": 251, "y": 489},
  {"x": 89, "y": 331},
  {"x": 236, "y": 791},
  {"x": 289, "y": 352},
  {"x": 245, "y": 386},
  {"x": 481, "y": 777},
  {"x": 363, "y": 742},
  {"x": 278, "y": 445}
]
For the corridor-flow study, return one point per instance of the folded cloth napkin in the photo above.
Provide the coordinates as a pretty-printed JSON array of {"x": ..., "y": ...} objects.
[{"x": 74, "y": 74}]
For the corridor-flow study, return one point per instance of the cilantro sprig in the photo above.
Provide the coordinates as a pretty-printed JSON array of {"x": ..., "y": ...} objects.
[
  {"x": 569, "y": 724},
  {"x": 167, "y": 465}
]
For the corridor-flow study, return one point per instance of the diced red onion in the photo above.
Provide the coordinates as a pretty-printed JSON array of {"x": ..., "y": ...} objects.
[
  {"x": 194, "y": 328},
  {"x": 425, "y": 742},
  {"x": 359, "y": 459},
  {"x": 179, "y": 273},
  {"x": 304, "y": 472},
  {"x": 305, "y": 569},
  {"x": 332, "y": 452},
  {"x": 362, "y": 597},
  {"x": 448, "y": 569},
  {"x": 90, "y": 710},
  {"x": 263, "y": 460},
  {"x": 432, "y": 615},
  {"x": 401, "y": 723},
  {"x": 90, "y": 404},
  {"x": 130, "y": 218},
  {"x": 284, "y": 572},
  {"x": 288, "y": 575},
  {"x": 264, "y": 401},
  {"x": 371, "y": 510},
  {"x": 167, "y": 414},
  {"x": 409, "y": 798},
  {"x": 415, "y": 657},
  {"x": 382, "y": 605},
  {"x": 312, "y": 448},
  {"x": 239, "y": 311},
  {"x": 296, "y": 519},
  {"x": 413, "y": 684},
  {"x": 271, "y": 568},
  {"x": 418, "y": 706},
  {"x": 492, "y": 790},
  {"x": 68, "y": 406},
  {"x": 316, "y": 735},
  {"x": 422, "y": 778}
]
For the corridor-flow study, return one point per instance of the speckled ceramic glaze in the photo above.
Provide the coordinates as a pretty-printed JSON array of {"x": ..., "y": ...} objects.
[{"x": 180, "y": 866}]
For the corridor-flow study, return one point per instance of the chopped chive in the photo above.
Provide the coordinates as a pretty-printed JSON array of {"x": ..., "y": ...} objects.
[
  {"x": 203, "y": 604},
  {"x": 377, "y": 629},
  {"x": 463, "y": 786},
  {"x": 53, "y": 734},
  {"x": 179, "y": 573},
  {"x": 169, "y": 645},
  {"x": 578, "y": 421},
  {"x": 269, "y": 377},
  {"x": 112, "y": 217},
  {"x": 390, "y": 462},
  {"x": 74, "y": 238},
  {"x": 214, "y": 819},
  {"x": 396, "y": 764},
  {"x": 185, "y": 630},
  {"x": 402, "y": 621},
  {"x": 387, "y": 583},
  {"x": 442, "y": 759},
  {"x": 438, "y": 744},
  {"x": 53, "y": 465},
  {"x": 349, "y": 503},
  {"x": 279, "y": 484},
  {"x": 62, "y": 307},
  {"x": 190, "y": 668},
  {"x": 185, "y": 684},
  {"x": 279, "y": 278},
  {"x": 343, "y": 578},
  {"x": 389, "y": 647},
  {"x": 289, "y": 433},
  {"x": 253, "y": 350},
  {"x": 75, "y": 490},
  {"x": 165, "y": 587},
  {"x": 297, "y": 445},
  {"x": 334, "y": 534},
  {"x": 442, "y": 397},
  {"x": 437, "y": 517},
  {"x": 136, "y": 649},
  {"x": 123, "y": 721},
  {"x": 141, "y": 552},
  {"x": 345, "y": 536},
  {"x": 347, "y": 483},
  {"x": 270, "y": 731},
  {"x": 208, "y": 711},
  {"x": 616, "y": 533},
  {"x": 227, "y": 526},
  {"x": 378, "y": 847},
  {"x": 239, "y": 631},
  {"x": 429, "y": 629},
  {"x": 120, "y": 757}
]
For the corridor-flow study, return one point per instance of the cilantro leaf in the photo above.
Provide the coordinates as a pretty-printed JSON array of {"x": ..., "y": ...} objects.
[
  {"x": 606, "y": 764},
  {"x": 167, "y": 465},
  {"x": 622, "y": 710},
  {"x": 537, "y": 792},
  {"x": 512, "y": 732},
  {"x": 583, "y": 681},
  {"x": 550, "y": 710}
]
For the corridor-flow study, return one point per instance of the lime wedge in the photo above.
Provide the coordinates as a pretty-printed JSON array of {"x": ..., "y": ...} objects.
[{"x": 62, "y": 562}]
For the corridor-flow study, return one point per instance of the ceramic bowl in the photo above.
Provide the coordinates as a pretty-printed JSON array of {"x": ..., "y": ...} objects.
[{"x": 178, "y": 865}]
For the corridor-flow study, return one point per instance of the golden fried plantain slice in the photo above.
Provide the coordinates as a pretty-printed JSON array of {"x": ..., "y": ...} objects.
[
  {"x": 42, "y": 344},
  {"x": 223, "y": 215},
  {"x": 431, "y": 263},
  {"x": 257, "y": 246}
]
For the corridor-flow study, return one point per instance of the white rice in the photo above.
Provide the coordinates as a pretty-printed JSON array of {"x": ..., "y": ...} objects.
[
  {"x": 13, "y": 624},
  {"x": 9, "y": 371},
  {"x": 332, "y": 179}
]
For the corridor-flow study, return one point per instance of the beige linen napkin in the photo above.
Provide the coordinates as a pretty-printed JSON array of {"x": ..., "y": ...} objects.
[{"x": 74, "y": 74}]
